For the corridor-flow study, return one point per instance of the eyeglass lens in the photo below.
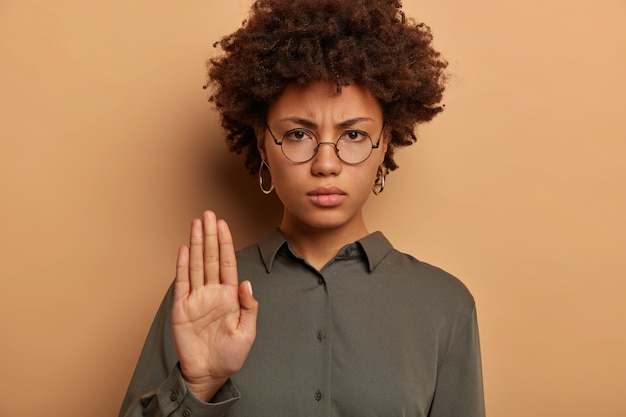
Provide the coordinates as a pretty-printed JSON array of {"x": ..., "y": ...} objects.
[{"x": 352, "y": 147}]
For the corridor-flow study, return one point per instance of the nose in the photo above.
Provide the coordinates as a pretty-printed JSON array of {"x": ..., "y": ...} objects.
[{"x": 326, "y": 161}]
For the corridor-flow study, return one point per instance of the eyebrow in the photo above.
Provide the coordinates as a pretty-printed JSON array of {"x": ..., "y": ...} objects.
[{"x": 312, "y": 125}]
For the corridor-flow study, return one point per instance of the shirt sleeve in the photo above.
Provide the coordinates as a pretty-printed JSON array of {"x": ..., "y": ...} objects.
[
  {"x": 459, "y": 387},
  {"x": 157, "y": 387}
]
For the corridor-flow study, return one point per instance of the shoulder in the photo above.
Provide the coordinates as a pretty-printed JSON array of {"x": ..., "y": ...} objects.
[
  {"x": 261, "y": 254},
  {"x": 431, "y": 284},
  {"x": 249, "y": 254},
  {"x": 251, "y": 263}
]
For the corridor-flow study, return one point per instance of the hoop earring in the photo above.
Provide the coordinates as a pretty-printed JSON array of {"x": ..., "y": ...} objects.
[
  {"x": 379, "y": 182},
  {"x": 269, "y": 190}
]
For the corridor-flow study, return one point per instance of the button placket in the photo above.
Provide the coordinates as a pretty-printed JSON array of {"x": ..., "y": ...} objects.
[{"x": 321, "y": 333}]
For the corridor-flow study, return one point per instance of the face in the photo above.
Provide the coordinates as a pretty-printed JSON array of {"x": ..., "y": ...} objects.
[{"x": 323, "y": 192}]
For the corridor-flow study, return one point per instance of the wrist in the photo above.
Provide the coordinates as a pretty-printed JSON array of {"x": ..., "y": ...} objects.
[{"x": 204, "y": 388}]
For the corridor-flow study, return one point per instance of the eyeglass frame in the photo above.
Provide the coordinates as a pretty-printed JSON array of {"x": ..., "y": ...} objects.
[{"x": 327, "y": 143}]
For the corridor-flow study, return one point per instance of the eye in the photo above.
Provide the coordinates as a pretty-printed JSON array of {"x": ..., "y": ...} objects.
[
  {"x": 299, "y": 135},
  {"x": 354, "y": 136}
]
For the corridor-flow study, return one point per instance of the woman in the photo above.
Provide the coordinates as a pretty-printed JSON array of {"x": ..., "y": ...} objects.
[{"x": 318, "y": 94}]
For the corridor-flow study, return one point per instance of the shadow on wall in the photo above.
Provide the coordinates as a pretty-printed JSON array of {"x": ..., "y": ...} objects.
[{"x": 249, "y": 212}]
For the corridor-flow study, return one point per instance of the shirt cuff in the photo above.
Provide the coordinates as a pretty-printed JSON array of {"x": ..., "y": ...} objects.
[{"x": 174, "y": 396}]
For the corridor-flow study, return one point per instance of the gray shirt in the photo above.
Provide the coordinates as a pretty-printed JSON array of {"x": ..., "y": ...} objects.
[{"x": 374, "y": 333}]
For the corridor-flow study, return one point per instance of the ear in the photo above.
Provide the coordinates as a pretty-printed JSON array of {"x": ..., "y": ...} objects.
[
  {"x": 259, "y": 132},
  {"x": 384, "y": 144}
]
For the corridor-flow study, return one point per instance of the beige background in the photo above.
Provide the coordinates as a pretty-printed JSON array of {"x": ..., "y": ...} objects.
[{"x": 109, "y": 148}]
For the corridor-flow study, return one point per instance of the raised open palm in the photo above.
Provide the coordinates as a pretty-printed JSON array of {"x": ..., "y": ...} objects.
[{"x": 213, "y": 317}]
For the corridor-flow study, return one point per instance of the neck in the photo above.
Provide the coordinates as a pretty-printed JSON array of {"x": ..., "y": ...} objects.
[{"x": 319, "y": 245}]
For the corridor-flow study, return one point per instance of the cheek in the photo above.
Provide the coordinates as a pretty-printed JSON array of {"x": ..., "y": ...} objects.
[
  {"x": 286, "y": 178},
  {"x": 374, "y": 166},
  {"x": 364, "y": 177}
]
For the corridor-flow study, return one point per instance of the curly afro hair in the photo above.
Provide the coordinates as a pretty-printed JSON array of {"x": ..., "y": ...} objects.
[{"x": 369, "y": 42}]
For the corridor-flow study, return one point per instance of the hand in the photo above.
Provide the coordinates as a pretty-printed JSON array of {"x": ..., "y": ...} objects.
[{"x": 213, "y": 318}]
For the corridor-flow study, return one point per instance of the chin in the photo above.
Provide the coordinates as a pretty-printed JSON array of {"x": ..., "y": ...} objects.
[{"x": 326, "y": 220}]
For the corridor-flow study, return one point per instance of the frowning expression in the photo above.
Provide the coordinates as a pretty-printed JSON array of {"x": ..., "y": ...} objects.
[{"x": 308, "y": 128}]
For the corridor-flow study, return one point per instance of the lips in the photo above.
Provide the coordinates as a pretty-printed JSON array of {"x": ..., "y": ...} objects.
[{"x": 327, "y": 196}]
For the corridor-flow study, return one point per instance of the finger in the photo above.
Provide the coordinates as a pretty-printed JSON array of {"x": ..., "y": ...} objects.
[
  {"x": 196, "y": 244},
  {"x": 211, "y": 249},
  {"x": 249, "y": 309},
  {"x": 181, "y": 282},
  {"x": 228, "y": 261}
]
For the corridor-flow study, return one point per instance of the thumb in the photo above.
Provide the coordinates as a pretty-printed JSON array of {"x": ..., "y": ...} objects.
[{"x": 249, "y": 307}]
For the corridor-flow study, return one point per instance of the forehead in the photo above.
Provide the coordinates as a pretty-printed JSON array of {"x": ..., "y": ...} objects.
[{"x": 319, "y": 101}]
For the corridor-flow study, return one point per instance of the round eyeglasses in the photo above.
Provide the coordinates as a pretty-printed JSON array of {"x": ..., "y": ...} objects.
[{"x": 300, "y": 145}]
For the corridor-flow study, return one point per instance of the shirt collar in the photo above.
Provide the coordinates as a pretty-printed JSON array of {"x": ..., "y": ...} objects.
[{"x": 375, "y": 245}]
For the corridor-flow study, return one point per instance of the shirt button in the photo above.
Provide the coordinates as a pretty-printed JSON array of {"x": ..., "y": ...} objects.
[
  {"x": 348, "y": 250},
  {"x": 173, "y": 396},
  {"x": 320, "y": 281},
  {"x": 318, "y": 395},
  {"x": 186, "y": 412},
  {"x": 321, "y": 335}
]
